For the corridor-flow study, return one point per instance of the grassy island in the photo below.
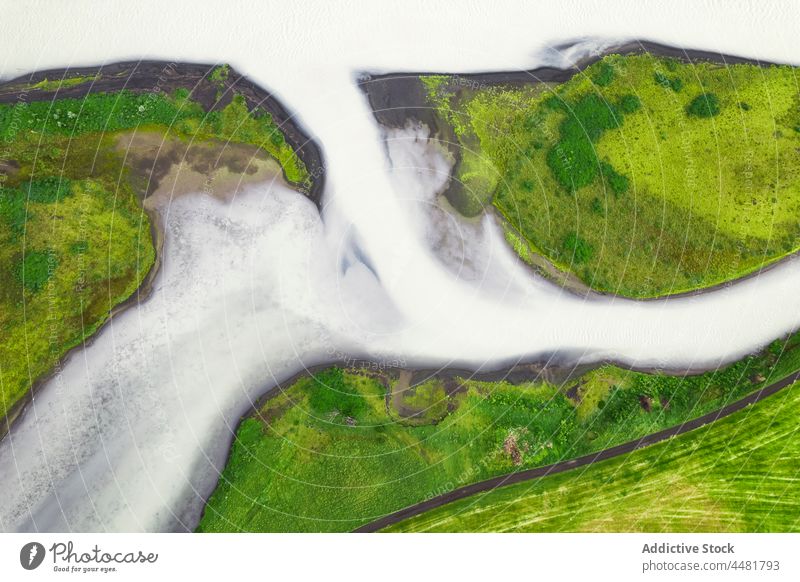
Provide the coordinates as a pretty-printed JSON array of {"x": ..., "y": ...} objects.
[{"x": 641, "y": 175}]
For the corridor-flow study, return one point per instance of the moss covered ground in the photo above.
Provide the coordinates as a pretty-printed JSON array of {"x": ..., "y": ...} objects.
[
  {"x": 642, "y": 175},
  {"x": 339, "y": 449}
]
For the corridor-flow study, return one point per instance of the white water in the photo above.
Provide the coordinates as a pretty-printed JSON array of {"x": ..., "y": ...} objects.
[{"x": 129, "y": 435}]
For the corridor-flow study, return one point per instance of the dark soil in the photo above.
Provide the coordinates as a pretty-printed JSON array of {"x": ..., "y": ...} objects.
[{"x": 573, "y": 392}]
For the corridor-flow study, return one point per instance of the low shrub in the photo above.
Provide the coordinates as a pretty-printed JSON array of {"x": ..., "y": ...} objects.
[
  {"x": 604, "y": 75},
  {"x": 329, "y": 391},
  {"x": 704, "y": 105},
  {"x": 579, "y": 250},
  {"x": 36, "y": 269}
]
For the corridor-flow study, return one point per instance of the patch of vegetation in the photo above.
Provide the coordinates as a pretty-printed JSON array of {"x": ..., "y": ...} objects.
[
  {"x": 425, "y": 403},
  {"x": 673, "y": 83},
  {"x": 629, "y": 104},
  {"x": 572, "y": 159},
  {"x": 181, "y": 95},
  {"x": 220, "y": 75},
  {"x": 738, "y": 474},
  {"x": 236, "y": 123},
  {"x": 56, "y": 84},
  {"x": 47, "y": 190},
  {"x": 580, "y": 250},
  {"x": 330, "y": 393},
  {"x": 482, "y": 123},
  {"x": 695, "y": 203},
  {"x": 439, "y": 93},
  {"x": 13, "y": 210},
  {"x": 35, "y": 269},
  {"x": 704, "y": 105},
  {"x": 520, "y": 246},
  {"x": 616, "y": 181},
  {"x": 603, "y": 75},
  {"x": 293, "y": 469},
  {"x": 79, "y": 247},
  {"x": 71, "y": 250}
]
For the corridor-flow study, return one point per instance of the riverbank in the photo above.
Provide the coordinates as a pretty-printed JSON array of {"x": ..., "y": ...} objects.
[{"x": 158, "y": 166}]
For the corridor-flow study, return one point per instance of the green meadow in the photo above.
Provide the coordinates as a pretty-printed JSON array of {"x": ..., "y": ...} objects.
[
  {"x": 343, "y": 447},
  {"x": 739, "y": 474},
  {"x": 642, "y": 175}
]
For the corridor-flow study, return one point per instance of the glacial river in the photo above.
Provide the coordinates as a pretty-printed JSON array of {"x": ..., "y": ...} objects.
[{"x": 131, "y": 433}]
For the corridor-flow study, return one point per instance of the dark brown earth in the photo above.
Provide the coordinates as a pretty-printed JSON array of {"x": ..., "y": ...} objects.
[
  {"x": 164, "y": 167},
  {"x": 574, "y": 393}
]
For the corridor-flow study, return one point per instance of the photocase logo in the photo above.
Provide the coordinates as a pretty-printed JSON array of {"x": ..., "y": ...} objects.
[{"x": 31, "y": 555}]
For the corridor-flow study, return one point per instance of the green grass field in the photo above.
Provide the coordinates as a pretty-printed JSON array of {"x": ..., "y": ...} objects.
[
  {"x": 740, "y": 474},
  {"x": 74, "y": 240},
  {"x": 642, "y": 175},
  {"x": 333, "y": 452}
]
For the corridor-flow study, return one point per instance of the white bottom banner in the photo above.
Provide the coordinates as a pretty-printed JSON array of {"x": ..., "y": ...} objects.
[{"x": 389, "y": 557}]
